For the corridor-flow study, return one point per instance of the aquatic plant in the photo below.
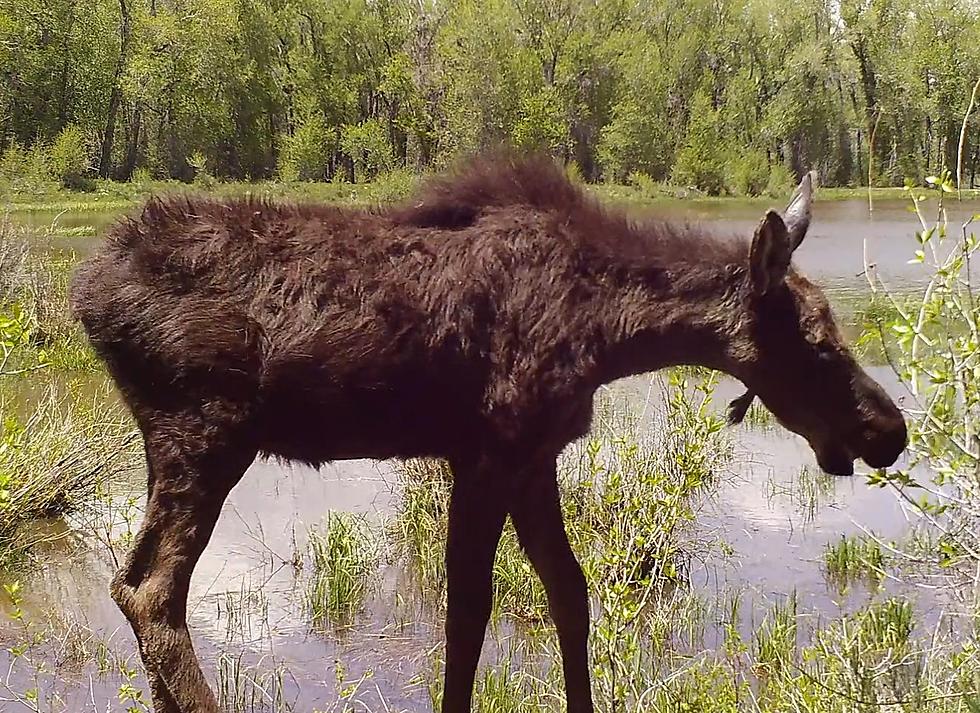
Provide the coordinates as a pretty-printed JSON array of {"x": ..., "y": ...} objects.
[
  {"x": 627, "y": 496},
  {"x": 854, "y": 558},
  {"x": 252, "y": 688},
  {"x": 56, "y": 460},
  {"x": 344, "y": 558}
]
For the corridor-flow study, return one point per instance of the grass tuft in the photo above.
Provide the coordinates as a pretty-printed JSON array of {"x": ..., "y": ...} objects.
[
  {"x": 344, "y": 557},
  {"x": 853, "y": 559}
]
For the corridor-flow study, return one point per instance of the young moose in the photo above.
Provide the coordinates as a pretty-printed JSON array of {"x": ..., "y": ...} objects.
[{"x": 473, "y": 323}]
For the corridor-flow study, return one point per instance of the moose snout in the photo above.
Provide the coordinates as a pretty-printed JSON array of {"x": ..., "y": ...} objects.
[
  {"x": 884, "y": 446},
  {"x": 885, "y": 435}
]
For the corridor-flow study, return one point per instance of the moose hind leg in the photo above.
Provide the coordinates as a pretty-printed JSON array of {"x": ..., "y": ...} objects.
[{"x": 187, "y": 487}]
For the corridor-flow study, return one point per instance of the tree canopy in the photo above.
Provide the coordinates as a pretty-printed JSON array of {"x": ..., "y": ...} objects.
[{"x": 724, "y": 95}]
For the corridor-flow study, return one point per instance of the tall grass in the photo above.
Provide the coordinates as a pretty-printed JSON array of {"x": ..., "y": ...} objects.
[
  {"x": 57, "y": 460},
  {"x": 252, "y": 688},
  {"x": 344, "y": 558},
  {"x": 58, "y": 447},
  {"x": 629, "y": 495}
]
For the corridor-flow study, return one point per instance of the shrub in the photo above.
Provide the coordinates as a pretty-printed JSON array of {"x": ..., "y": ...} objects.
[
  {"x": 202, "y": 177},
  {"x": 25, "y": 170},
  {"x": 303, "y": 155},
  {"x": 540, "y": 125},
  {"x": 368, "y": 147},
  {"x": 780, "y": 181},
  {"x": 643, "y": 183},
  {"x": 701, "y": 161},
  {"x": 747, "y": 172},
  {"x": 69, "y": 158}
]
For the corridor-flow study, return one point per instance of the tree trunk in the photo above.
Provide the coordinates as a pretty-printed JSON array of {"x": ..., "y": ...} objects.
[
  {"x": 115, "y": 97},
  {"x": 132, "y": 151}
]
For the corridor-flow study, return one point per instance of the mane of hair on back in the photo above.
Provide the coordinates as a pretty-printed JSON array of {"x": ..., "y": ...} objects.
[{"x": 456, "y": 199}]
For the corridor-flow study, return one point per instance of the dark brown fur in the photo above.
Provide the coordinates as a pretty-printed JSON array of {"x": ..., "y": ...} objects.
[{"x": 473, "y": 322}]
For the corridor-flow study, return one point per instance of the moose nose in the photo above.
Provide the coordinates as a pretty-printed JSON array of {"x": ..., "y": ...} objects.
[{"x": 884, "y": 447}]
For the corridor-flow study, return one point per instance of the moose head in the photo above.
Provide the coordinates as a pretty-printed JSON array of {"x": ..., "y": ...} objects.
[{"x": 798, "y": 363}]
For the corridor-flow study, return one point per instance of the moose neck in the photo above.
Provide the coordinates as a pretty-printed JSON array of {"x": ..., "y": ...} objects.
[{"x": 686, "y": 313}]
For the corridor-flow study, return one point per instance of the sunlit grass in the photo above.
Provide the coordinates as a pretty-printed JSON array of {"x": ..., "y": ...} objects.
[
  {"x": 852, "y": 559},
  {"x": 344, "y": 557}
]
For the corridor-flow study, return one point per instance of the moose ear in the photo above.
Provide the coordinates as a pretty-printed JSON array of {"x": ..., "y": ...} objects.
[
  {"x": 797, "y": 215},
  {"x": 770, "y": 254}
]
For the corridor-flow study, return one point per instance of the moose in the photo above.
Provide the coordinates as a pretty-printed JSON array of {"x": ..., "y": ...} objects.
[{"x": 472, "y": 322}]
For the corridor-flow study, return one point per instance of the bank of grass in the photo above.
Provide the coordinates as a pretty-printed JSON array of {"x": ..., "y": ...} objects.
[
  {"x": 114, "y": 196},
  {"x": 869, "y": 661},
  {"x": 59, "y": 445}
]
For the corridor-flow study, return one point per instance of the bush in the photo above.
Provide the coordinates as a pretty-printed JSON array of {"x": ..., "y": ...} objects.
[
  {"x": 701, "y": 162},
  {"x": 25, "y": 170},
  {"x": 540, "y": 125},
  {"x": 780, "y": 182},
  {"x": 303, "y": 155},
  {"x": 202, "y": 177},
  {"x": 748, "y": 173},
  {"x": 643, "y": 183},
  {"x": 931, "y": 339},
  {"x": 69, "y": 159},
  {"x": 368, "y": 147}
]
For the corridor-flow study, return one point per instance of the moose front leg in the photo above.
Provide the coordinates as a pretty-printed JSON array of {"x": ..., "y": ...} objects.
[
  {"x": 476, "y": 518},
  {"x": 536, "y": 513},
  {"x": 186, "y": 493}
]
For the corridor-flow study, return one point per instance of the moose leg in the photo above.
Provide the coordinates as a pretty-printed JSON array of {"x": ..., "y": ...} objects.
[
  {"x": 476, "y": 518},
  {"x": 186, "y": 492},
  {"x": 537, "y": 518}
]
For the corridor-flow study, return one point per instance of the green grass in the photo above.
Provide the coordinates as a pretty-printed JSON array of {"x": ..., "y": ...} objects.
[
  {"x": 344, "y": 559},
  {"x": 58, "y": 458},
  {"x": 775, "y": 641},
  {"x": 853, "y": 559},
  {"x": 420, "y": 524},
  {"x": 758, "y": 416},
  {"x": 251, "y": 688},
  {"x": 116, "y": 196}
]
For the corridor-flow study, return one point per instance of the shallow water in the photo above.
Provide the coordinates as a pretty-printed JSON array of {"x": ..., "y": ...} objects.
[{"x": 246, "y": 596}]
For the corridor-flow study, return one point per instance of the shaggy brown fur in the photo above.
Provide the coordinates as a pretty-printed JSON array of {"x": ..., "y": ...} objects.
[{"x": 474, "y": 322}]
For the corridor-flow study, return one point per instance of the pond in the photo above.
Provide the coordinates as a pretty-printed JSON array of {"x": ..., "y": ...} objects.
[{"x": 770, "y": 518}]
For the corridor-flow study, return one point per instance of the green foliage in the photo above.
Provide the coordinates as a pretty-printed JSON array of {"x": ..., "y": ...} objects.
[
  {"x": 702, "y": 159},
  {"x": 854, "y": 558},
  {"x": 628, "y": 501},
  {"x": 617, "y": 86},
  {"x": 303, "y": 155},
  {"x": 540, "y": 125},
  {"x": 747, "y": 173},
  {"x": 368, "y": 147},
  {"x": 781, "y": 181},
  {"x": 344, "y": 558},
  {"x": 933, "y": 340},
  {"x": 69, "y": 158}
]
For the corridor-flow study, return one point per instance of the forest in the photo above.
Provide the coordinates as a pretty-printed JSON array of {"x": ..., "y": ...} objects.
[{"x": 726, "y": 96}]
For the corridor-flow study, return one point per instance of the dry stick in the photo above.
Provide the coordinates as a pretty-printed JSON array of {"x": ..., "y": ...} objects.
[{"x": 959, "y": 153}]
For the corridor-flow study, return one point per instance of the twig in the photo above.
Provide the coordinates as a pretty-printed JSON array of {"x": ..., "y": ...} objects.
[{"x": 959, "y": 153}]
